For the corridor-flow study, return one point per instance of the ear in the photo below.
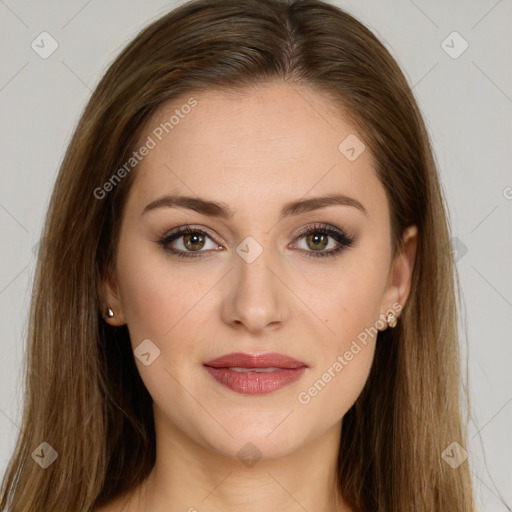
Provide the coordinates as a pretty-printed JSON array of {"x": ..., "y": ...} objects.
[
  {"x": 111, "y": 299},
  {"x": 399, "y": 280}
]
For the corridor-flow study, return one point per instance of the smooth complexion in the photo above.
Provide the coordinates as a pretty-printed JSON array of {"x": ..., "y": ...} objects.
[{"x": 253, "y": 151}]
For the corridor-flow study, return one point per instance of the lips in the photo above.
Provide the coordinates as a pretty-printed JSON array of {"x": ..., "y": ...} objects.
[
  {"x": 241, "y": 360},
  {"x": 255, "y": 374}
]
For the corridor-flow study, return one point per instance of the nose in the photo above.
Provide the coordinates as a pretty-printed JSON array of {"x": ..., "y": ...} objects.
[{"x": 256, "y": 298}]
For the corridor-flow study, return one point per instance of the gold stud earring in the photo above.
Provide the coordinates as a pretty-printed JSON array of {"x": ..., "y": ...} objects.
[
  {"x": 391, "y": 319},
  {"x": 109, "y": 313}
]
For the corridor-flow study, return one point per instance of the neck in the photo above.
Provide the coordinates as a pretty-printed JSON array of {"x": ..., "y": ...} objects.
[{"x": 188, "y": 476}]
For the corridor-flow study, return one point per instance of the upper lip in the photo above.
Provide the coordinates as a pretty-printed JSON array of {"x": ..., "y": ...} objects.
[{"x": 242, "y": 360}]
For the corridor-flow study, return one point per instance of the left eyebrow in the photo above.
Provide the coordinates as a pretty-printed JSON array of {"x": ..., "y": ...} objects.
[{"x": 222, "y": 210}]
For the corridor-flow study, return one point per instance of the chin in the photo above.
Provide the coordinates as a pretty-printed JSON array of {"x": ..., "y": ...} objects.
[{"x": 259, "y": 435}]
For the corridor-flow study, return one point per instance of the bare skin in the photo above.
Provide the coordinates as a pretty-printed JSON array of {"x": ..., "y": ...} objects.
[{"x": 253, "y": 151}]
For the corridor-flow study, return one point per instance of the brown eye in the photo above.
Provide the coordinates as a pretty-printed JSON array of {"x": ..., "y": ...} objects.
[
  {"x": 318, "y": 238},
  {"x": 194, "y": 242},
  {"x": 317, "y": 241},
  {"x": 188, "y": 242}
]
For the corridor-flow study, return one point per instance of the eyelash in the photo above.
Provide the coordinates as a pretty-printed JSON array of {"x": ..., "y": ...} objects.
[{"x": 339, "y": 236}]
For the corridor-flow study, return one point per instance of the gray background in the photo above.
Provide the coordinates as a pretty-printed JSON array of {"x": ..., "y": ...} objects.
[{"x": 467, "y": 105}]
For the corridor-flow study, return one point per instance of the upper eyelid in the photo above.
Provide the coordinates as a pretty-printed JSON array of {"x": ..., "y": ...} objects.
[{"x": 177, "y": 232}]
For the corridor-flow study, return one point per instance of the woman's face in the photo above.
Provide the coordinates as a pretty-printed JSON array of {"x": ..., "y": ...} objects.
[{"x": 249, "y": 281}]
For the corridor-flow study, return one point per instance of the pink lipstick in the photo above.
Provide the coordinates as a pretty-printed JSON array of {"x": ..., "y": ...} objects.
[{"x": 255, "y": 374}]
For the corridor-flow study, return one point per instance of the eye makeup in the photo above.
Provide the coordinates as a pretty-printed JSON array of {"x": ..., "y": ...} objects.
[{"x": 316, "y": 234}]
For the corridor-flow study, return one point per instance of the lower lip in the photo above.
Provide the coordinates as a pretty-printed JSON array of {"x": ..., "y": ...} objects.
[{"x": 255, "y": 383}]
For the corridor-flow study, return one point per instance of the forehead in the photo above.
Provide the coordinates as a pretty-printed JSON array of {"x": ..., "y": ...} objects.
[{"x": 266, "y": 145}]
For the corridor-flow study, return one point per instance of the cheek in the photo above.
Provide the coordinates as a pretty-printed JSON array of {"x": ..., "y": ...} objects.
[
  {"x": 352, "y": 309},
  {"x": 156, "y": 298},
  {"x": 356, "y": 310},
  {"x": 334, "y": 389},
  {"x": 353, "y": 299},
  {"x": 344, "y": 365}
]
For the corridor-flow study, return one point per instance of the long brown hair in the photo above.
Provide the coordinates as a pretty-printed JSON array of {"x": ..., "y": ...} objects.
[{"x": 84, "y": 396}]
